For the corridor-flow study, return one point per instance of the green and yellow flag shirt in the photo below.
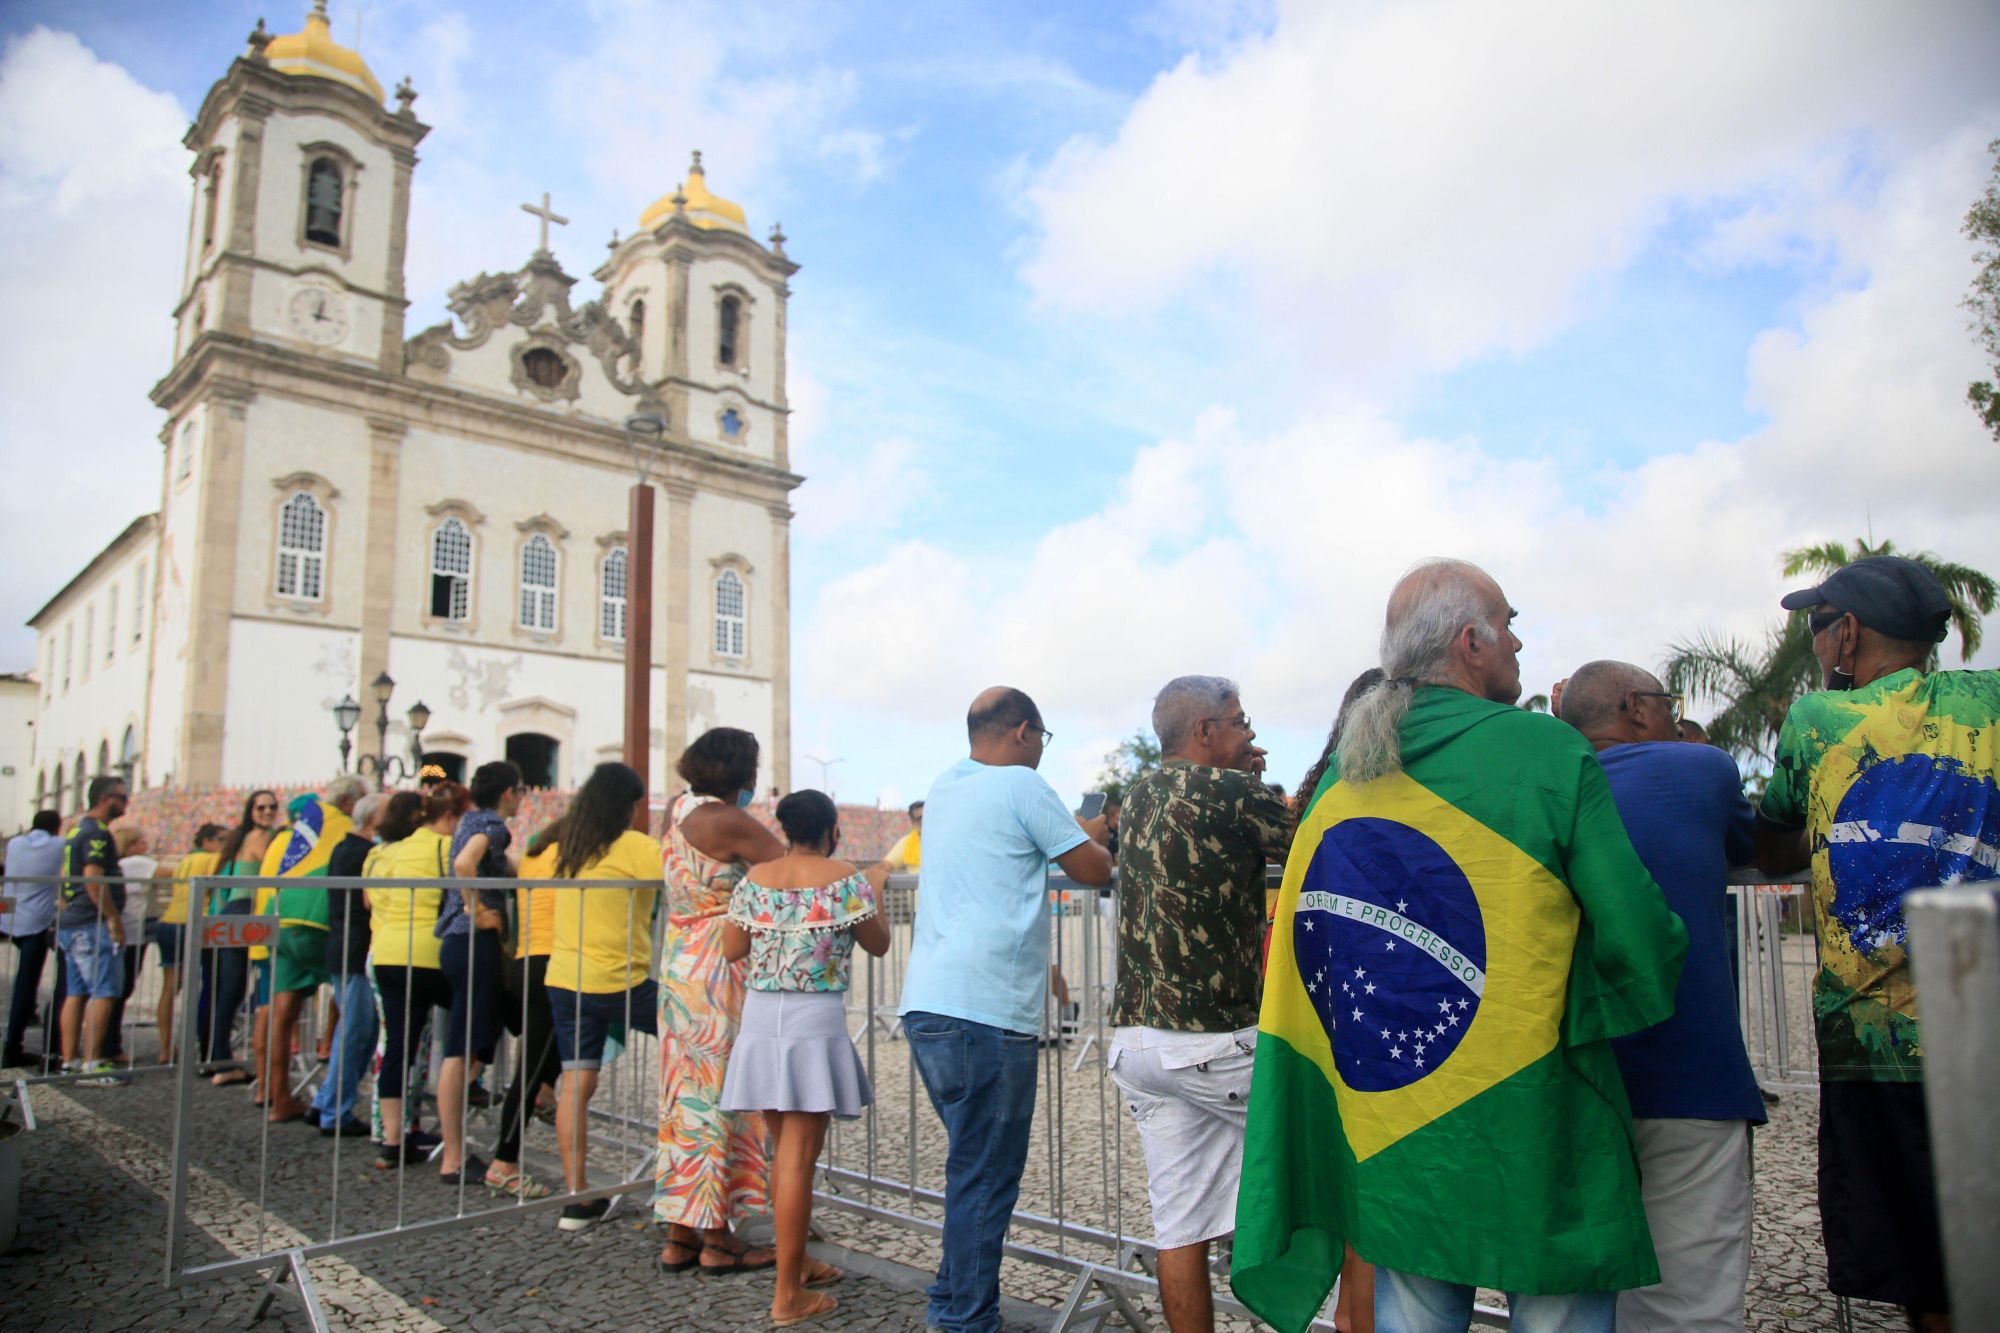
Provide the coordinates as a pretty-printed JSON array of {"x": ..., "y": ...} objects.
[
  {"x": 1894, "y": 784},
  {"x": 1455, "y": 944}
]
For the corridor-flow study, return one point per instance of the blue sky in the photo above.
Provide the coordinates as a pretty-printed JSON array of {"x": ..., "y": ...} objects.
[{"x": 1132, "y": 341}]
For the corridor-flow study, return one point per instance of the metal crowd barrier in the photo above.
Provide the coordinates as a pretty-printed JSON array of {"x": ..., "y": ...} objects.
[
  {"x": 1776, "y": 959},
  {"x": 136, "y": 1036},
  {"x": 382, "y": 1217}
]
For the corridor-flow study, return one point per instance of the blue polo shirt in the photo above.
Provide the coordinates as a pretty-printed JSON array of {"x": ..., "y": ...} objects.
[
  {"x": 981, "y": 948},
  {"x": 1684, "y": 808}
]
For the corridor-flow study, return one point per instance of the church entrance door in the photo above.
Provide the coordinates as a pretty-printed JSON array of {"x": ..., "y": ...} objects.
[{"x": 535, "y": 755}]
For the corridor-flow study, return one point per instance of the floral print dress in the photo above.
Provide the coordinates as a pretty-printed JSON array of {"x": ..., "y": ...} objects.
[{"x": 714, "y": 1165}]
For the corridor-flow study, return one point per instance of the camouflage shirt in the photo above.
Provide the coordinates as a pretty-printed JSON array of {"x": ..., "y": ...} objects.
[{"x": 1191, "y": 897}]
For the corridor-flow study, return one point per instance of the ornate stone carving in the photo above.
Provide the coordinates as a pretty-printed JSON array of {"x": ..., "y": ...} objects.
[{"x": 536, "y": 297}]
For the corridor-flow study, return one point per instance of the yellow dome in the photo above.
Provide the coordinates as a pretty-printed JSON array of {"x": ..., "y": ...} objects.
[
  {"x": 314, "y": 52},
  {"x": 703, "y": 209}
]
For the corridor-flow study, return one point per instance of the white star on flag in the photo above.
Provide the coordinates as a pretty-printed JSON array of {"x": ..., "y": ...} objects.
[
  {"x": 1357, "y": 1015},
  {"x": 1451, "y": 1019},
  {"x": 1390, "y": 945},
  {"x": 1360, "y": 972},
  {"x": 1402, "y": 904},
  {"x": 1370, "y": 988},
  {"x": 1444, "y": 1006},
  {"x": 1395, "y": 1052}
]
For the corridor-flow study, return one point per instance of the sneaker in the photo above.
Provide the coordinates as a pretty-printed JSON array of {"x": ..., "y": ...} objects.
[
  {"x": 103, "y": 1074},
  {"x": 516, "y": 1184},
  {"x": 349, "y": 1128},
  {"x": 580, "y": 1216}
]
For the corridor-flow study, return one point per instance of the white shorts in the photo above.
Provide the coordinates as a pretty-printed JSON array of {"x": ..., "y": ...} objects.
[{"x": 1190, "y": 1094}]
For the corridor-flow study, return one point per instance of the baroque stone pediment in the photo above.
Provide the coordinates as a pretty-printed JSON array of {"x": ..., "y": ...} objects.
[{"x": 535, "y": 298}]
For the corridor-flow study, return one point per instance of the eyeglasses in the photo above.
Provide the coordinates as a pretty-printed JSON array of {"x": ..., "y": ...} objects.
[
  {"x": 1046, "y": 735},
  {"x": 1822, "y": 620},
  {"x": 1680, "y": 704},
  {"x": 263, "y": 806},
  {"x": 1240, "y": 720}
]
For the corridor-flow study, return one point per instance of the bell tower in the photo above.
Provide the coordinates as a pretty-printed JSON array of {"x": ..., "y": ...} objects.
[{"x": 301, "y": 203}]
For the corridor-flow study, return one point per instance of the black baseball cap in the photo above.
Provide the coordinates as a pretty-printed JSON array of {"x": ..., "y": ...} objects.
[{"x": 1890, "y": 594}]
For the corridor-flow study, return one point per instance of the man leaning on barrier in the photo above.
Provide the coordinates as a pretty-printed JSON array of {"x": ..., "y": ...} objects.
[
  {"x": 353, "y": 1045},
  {"x": 1884, "y": 783},
  {"x": 1198, "y": 832},
  {"x": 979, "y": 965},
  {"x": 91, "y": 929},
  {"x": 1689, "y": 1081}
]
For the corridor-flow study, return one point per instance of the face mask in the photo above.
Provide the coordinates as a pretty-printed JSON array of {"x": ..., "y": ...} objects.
[
  {"x": 744, "y": 797},
  {"x": 1837, "y": 679}
]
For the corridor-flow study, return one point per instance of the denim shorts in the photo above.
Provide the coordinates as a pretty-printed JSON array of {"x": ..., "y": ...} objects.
[
  {"x": 582, "y": 1020},
  {"x": 96, "y": 967},
  {"x": 169, "y": 938}
]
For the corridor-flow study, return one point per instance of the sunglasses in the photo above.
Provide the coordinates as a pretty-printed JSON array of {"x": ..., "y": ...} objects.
[{"x": 1823, "y": 619}]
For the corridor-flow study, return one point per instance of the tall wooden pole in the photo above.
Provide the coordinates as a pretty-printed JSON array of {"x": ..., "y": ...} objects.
[{"x": 639, "y": 632}]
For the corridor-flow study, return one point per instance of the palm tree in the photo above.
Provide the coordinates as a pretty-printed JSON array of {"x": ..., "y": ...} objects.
[{"x": 1972, "y": 594}]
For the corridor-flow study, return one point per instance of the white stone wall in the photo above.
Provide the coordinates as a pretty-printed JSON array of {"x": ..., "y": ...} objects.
[
  {"x": 283, "y": 683},
  {"x": 282, "y": 439},
  {"x": 91, "y": 704},
  {"x": 366, "y": 204},
  {"x": 18, "y": 701}
]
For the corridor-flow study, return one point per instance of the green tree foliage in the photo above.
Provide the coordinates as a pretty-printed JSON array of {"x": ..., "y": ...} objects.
[
  {"x": 1757, "y": 682},
  {"x": 1136, "y": 756},
  {"x": 1982, "y": 228}
]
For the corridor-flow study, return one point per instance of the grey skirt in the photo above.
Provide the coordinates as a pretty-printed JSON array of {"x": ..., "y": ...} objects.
[{"x": 792, "y": 1053}]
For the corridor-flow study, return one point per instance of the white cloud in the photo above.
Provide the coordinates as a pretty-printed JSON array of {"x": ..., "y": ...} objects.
[
  {"x": 94, "y": 196},
  {"x": 1267, "y": 556},
  {"x": 1406, "y": 186}
]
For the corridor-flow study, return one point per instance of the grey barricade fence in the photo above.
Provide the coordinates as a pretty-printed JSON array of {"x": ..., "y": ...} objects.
[
  {"x": 326, "y": 1200},
  {"x": 1776, "y": 959},
  {"x": 33, "y": 983}
]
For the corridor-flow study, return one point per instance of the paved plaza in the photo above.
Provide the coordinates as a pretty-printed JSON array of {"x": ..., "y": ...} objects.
[{"x": 89, "y": 1255}]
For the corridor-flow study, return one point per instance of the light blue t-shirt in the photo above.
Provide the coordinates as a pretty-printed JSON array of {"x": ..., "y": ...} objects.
[{"x": 981, "y": 950}]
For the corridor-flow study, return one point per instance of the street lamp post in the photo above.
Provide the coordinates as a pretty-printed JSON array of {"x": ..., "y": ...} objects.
[
  {"x": 643, "y": 432},
  {"x": 387, "y": 768}
]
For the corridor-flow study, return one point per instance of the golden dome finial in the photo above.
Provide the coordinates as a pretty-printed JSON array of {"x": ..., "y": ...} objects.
[
  {"x": 314, "y": 54},
  {"x": 694, "y": 203}
]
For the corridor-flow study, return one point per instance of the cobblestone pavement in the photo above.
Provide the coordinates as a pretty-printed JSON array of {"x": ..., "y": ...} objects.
[{"x": 96, "y": 1180}]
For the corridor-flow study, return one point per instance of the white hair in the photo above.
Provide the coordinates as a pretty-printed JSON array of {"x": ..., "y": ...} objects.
[
  {"x": 1184, "y": 702},
  {"x": 347, "y": 787},
  {"x": 368, "y": 807},
  {"x": 1431, "y": 603}
]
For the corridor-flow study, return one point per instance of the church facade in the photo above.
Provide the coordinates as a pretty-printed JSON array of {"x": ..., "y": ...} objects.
[{"x": 341, "y": 502}]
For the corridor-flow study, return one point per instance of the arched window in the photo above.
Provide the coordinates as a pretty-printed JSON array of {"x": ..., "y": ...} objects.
[
  {"x": 128, "y": 756},
  {"x": 82, "y": 781},
  {"x": 211, "y": 184},
  {"x": 538, "y": 584},
  {"x": 69, "y": 651},
  {"x": 111, "y": 624},
  {"x": 638, "y": 323},
  {"x": 451, "y": 571},
  {"x": 139, "y": 603},
  {"x": 103, "y": 757},
  {"x": 42, "y": 790},
  {"x": 544, "y": 368},
  {"x": 301, "y": 547},
  {"x": 323, "y": 202},
  {"x": 728, "y": 317},
  {"x": 89, "y": 637},
  {"x": 730, "y": 614},
  {"x": 611, "y": 597}
]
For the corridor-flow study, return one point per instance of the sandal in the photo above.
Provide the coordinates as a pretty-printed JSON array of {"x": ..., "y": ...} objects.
[
  {"x": 825, "y": 1305},
  {"x": 229, "y": 1078},
  {"x": 738, "y": 1261},
  {"x": 823, "y": 1275}
]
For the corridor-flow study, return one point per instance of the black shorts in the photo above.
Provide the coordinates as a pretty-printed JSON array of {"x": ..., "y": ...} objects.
[{"x": 1878, "y": 1207}]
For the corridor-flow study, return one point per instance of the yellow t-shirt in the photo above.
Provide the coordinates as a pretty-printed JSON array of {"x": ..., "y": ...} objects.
[
  {"x": 536, "y": 908},
  {"x": 402, "y": 921},
  {"x": 192, "y": 866},
  {"x": 609, "y": 932},
  {"x": 907, "y": 851}
]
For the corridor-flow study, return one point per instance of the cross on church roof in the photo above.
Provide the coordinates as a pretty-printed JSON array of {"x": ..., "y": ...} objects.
[{"x": 547, "y": 215}]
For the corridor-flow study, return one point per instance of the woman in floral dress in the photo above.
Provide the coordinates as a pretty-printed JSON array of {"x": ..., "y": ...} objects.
[{"x": 714, "y": 1165}]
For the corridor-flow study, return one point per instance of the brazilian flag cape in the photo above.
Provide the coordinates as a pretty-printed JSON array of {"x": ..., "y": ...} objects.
[
  {"x": 303, "y": 853},
  {"x": 1454, "y": 946}
]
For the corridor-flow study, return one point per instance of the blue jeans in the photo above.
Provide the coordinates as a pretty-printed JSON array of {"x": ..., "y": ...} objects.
[
  {"x": 353, "y": 1049},
  {"x": 582, "y": 1020},
  {"x": 1406, "y": 1303},
  {"x": 981, "y": 1082}
]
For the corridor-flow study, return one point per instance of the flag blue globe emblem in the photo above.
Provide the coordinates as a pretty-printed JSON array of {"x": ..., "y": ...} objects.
[
  {"x": 1908, "y": 822},
  {"x": 1391, "y": 948}
]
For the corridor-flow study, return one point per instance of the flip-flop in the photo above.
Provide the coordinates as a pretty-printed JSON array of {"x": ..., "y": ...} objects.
[
  {"x": 829, "y": 1306},
  {"x": 735, "y": 1264},
  {"x": 223, "y": 1079},
  {"x": 826, "y": 1277}
]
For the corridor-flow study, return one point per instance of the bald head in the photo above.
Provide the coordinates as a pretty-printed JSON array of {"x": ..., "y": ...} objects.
[
  {"x": 1005, "y": 727},
  {"x": 1617, "y": 703},
  {"x": 1435, "y": 581}
]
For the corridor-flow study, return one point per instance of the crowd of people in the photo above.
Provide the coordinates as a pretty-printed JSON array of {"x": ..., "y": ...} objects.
[{"x": 1572, "y": 1123}]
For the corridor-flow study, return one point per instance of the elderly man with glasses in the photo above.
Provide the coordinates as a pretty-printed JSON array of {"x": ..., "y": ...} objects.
[
  {"x": 1693, "y": 1095},
  {"x": 1198, "y": 833}
]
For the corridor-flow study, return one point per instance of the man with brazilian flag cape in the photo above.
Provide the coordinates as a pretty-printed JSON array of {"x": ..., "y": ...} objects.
[{"x": 1457, "y": 939}]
